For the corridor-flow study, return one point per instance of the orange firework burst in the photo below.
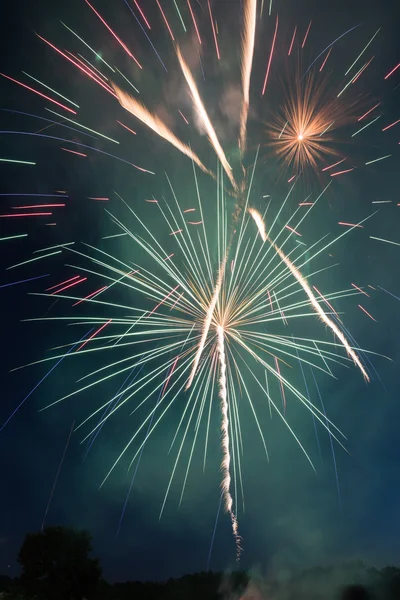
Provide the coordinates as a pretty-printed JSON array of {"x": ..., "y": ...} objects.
[{"x": 301, "y": 130}]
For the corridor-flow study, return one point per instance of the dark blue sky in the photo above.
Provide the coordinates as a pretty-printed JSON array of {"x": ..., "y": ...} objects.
[{"x": 293, "y": 516}]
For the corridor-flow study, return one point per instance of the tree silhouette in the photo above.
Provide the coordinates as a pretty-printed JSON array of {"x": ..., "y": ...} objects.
[{"x": 56, "y": 565}]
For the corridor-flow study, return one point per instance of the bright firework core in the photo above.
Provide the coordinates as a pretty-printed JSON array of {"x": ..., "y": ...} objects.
[{"x": 300, "y": 137}]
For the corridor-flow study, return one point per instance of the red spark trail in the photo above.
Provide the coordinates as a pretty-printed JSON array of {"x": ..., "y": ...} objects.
[
  {"x": 176, "y": 301},
  {"x": 94, "y": 334},
  {"x": 73, "y": 152},
  {"x": 213, "y": 28},
  {"x": 37, "y": 206},
  {"x": 164, "y": 299},
  {"x": 183, "y": 117},
  {"x": 326, "y": 301},
  {"x": 350, "y": 224},
  {"x": 62, "y": 283},
  {"x": 129, "y": 53},
  {"x": 341, "y": 172},
  {"x": 367, "y": 313},
  {"x": 40, "y": 94},
  {"x": 370, "y": 110},
  {"x": 326, "y": 58},
  {"x": 291, "y": 179},
  {"x": 292, "y": 230},
  {"x": 126, "y": 127},
  {"x": 392, "y": 71},
  {"x": 69, "y": 286},
  {"x": 291, "y": 43},
  {"x": 194, "y": 21},
  {"x": 334, "y": 165},
  {"x": 306, "y": 36},
  {"x": 97, "y": 198},
  {"x": 189, "y": 210},
  {"x": 142, "y": 14},
  {"x": 362, "y": 70},
  {"x": 270, "y": 57},
  {"x": 176, "y": 232},
  {"x": 31, "y": 214},
  {"x": 76, "y": 64},
  {"x": 90, "y": 295},
  {"x": 391, "y": 125},
  {"x": 165, "y": 20},
  {"x": 89, "y": 70},
  {"x": 169, "y": 376},
  {"x": 169, "y": 256},
  {"x": 360, "y": 290}
]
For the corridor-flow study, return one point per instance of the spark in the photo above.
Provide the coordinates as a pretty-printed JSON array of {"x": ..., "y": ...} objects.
[
  {"x": 291, "y": 43},
  {"x": 17, "y": 161},
  {"x": 40, "y": 94},
  {"x": 38, "y": 206},
  {"x": 165, "y": 20},
  {"x": 137, "y": 109},
  {"x": 93, "y": 335},
  {"x": 142, "y": 14},
  {"x": 326, "y": 58},
  {"x": 62, "y": 283},
  {"x": 247, "y": 54},
  {"x": 369, "y": 111},
  {"x": 392, "y": 71},
  {"x": 51, "y": 89},
  {"x": 370, "y": 162},
  {"x": 85, "y": 127},
  {"x": 126, "y": 127},
  {"x": 91, "y": 296},
  {"x": 194, "y": 21},
  {"x": 183, "y": 117},
  {"x": 89, "y": 47},
  {"x": 127, "y": 80},
  {"x": 391, "y": 125},
  {"x": 367, "y": 313},
  {"x": 270, "y": 57},
  {"x": 121, "y": 43},
  {"x": 365, "y": 126},
  {"x": 202, "y": 113},
  {"x": 70, "y": 285},
  {"x": 342, "y": 172},
  {"x": 383, "y": 240},
  {"x": 359, "y": 289},
  {"x": 303, "y": 282},
  {"x": 213, "y": 30},
  {"x": 180, "y": 16},
  {"x": 362, "y": 52},
  {"x": 306, "y": 36},
  {"x": 334, "y": 165},
  {"x": 101, "y": 198},
  {"x": 30, "y": 214},
  {"x": 14, "y": 237},
  {"x": 73, "y": 152},
  {"x": 35, "y": 259},
  {"x": 350, "y": 224}
]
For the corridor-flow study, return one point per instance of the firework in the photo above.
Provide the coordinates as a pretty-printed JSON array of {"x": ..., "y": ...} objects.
[{"x": 183, "y": 320}]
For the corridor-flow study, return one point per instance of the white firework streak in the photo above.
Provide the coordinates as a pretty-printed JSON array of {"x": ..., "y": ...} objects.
[
  {"x": 249, "y": 32},
  {"x": 202, "y": 113},
  {"x": 226, "y": 457},
  {"x": 303, "y": 282},
  {"x": 207, "y": 323}
]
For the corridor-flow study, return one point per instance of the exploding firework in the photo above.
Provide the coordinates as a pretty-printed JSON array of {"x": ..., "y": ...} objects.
[{"x": 207, "y": 309}]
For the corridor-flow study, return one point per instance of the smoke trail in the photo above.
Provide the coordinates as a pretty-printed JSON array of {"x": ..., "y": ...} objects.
[
  {"x": 249, "y": 32},
  {"x": 137, "y": 109},
  {"x": 303, "y": 282},
  {"x": 226, "y": 457},
  {"x": 204, "y": 118}
]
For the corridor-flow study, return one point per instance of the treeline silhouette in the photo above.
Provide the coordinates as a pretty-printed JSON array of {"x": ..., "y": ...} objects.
[{"x": 56, "y": 564}]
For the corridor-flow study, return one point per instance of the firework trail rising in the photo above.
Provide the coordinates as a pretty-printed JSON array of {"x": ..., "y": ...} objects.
[
  {"x": 226, "y": 459},
  {"x": 303, "y": 282},
  {"x": 249, "y": 32},
  {"x": 207, "y": 322}
]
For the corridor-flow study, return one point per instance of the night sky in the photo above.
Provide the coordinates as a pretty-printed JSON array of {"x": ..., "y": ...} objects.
[{"x": 294, "y": 517}]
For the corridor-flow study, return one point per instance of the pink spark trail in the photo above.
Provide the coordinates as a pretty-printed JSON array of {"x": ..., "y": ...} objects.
[
  {"x": 40, "y": 94},
  {"x": 270, "y": 57},
  {"x": 94, "y": 334}
]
